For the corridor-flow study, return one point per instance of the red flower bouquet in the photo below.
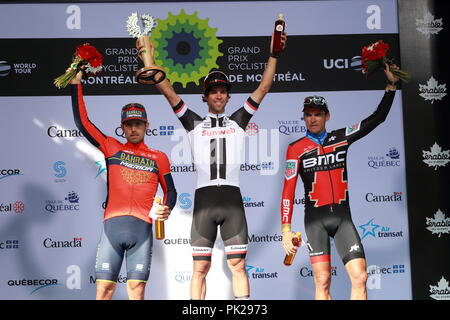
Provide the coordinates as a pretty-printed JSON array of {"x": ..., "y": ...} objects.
[
  {"x": 374, "y": 57},
  {"x": 85, "y": 56}
]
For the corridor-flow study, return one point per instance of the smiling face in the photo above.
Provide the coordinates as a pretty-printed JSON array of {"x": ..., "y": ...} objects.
[
  {"x": 315, "y": 119},
  {"x": 217, "y": 98},
  {"x": 134, "y": 130}
]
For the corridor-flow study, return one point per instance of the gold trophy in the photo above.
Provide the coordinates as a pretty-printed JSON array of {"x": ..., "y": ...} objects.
[{"x": 140, "y": 27}]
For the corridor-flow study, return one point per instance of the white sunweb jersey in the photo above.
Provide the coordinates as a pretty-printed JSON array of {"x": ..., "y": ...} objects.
[{"x": 217, "y": 142}]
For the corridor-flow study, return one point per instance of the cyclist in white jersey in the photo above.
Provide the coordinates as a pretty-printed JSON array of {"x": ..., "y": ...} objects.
[{"x": 217, "y": 147}]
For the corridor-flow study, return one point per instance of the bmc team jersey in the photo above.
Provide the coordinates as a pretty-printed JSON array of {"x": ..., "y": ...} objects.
[
  {"x": 134, "y": 170},
  {"x": 323, "y": 167},
  {"x": 217, "y": 143}
]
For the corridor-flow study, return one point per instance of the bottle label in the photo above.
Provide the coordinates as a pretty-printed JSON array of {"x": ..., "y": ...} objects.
[{"x": 279, "y": 28}]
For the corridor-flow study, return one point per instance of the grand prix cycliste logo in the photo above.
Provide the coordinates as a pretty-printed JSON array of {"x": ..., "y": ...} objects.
[{"x": 186, "y": 47}]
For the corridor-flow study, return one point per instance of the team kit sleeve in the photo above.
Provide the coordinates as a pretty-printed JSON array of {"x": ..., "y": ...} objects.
[
  {"x": 290, "y": 183},
  {"x": 187, "y": 117},
  {"x": 243, "y": 115},
  {"x": 166, "y": 181},
  {"x": 361, "y": 129},
  {"x": 87, "y": 128}
]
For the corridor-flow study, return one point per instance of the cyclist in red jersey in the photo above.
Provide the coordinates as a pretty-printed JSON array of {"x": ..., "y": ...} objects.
[
  {"x": 320, "y": 160},
  {"x": 134, "y": 172}
]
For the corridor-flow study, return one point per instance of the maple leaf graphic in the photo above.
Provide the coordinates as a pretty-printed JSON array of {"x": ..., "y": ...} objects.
[
  {"x": 432, "y": 90},
  {"x": 438, "y": 224},
  {"x": 436, "y": 157},
  {"x": 440, "y": 291},
  {"x": 428, "y": 25}
]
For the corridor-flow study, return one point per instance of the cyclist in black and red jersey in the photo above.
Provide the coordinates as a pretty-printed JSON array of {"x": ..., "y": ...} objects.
[{"x": 320, "y": 160}]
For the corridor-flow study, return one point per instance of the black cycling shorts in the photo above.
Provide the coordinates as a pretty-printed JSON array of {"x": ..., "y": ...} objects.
[
  {"x": 218, "y": 206},
  {"x": 124, "y": 236},
  {"x": 322, "y": 223}
]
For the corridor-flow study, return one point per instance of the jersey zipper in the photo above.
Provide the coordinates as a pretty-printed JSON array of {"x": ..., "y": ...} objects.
[
  {"x": 218, "y": 153},
  {"x": 331, "y": 180}
]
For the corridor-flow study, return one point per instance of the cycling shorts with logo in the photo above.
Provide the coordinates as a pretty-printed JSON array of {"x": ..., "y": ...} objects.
[
  {"x": 324, "y": 222},
  {"x": 218, "y": 206},
  {"x": 124, "y": 235}
]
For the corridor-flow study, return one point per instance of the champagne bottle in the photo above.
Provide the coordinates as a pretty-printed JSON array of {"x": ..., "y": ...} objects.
[
  {"x": 289, "y": 258},
  {"x": 278, "y": 31},
  {"x": 159, "y": 225}
]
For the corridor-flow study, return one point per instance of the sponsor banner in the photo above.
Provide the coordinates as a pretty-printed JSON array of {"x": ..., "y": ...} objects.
[
  {"x": 108, "y": 20},
  {"x": 243, "y": 59}
]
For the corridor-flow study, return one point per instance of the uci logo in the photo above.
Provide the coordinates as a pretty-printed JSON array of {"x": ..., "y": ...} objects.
[{"x": 353, "y": 63}]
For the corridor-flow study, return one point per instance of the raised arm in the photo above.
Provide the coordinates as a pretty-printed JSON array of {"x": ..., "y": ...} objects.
[
  {"x": 165, "y": 87},
  {"x": 268, "y": 74},
  {"x": 367, "y": 125},
  {"x": 89, "y": 130}
]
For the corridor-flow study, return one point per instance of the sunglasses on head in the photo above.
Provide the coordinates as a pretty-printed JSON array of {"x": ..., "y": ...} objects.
[{"x": 315, "y": 100}]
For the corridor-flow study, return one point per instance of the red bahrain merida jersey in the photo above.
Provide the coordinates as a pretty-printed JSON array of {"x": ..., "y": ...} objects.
[{"x": 134, "y": 170}]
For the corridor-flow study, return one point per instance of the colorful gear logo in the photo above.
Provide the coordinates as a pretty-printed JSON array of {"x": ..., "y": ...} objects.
[{"x": 186, "y": 47}]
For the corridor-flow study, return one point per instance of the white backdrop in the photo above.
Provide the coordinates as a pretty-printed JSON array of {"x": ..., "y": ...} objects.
[{"x": 44, "y": 160}]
